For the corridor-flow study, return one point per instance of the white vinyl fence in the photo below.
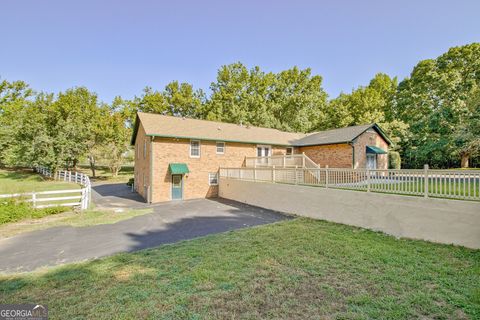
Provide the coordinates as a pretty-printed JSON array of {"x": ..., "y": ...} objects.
[
  {"x": 67, "y": 198},
  {"x": 450, "y": 184}
]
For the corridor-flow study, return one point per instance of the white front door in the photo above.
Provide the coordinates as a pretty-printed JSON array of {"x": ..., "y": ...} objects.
[{"x": 371, "y": 161}]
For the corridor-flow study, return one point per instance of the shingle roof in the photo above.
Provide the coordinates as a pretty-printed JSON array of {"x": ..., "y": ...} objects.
[
  {"x": 341, "y": 135},
  {"x": 169, "y": 126}
]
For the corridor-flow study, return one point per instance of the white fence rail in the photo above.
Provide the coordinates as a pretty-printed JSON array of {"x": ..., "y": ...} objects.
[
  {"x": 451, "y": 184},
  {"x": 294, "y": 160},
  {"x": 67, "y": 198}
]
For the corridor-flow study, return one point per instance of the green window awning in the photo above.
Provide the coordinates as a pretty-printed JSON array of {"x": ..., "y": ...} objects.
[
  {"x": 375, "y": 150},
  {"x": 178, "y": 168}
]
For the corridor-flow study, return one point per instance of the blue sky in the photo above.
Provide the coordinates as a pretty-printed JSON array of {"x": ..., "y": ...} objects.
[{"x": 119, "y": 47}]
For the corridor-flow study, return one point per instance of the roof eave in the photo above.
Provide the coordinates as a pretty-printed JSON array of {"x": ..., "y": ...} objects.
[
  {"x": 379, "y": 130},
  {"x": 135, "y": 130},
  {"x": 220, "y": 140},
  {"x": 321, "y": 144}
]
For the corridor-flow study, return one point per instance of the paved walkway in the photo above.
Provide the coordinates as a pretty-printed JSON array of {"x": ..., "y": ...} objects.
[{"x": 170, "y": 222}]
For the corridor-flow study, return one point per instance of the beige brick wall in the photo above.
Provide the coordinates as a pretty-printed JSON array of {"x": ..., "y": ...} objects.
[
  {"x": 370, "y": 138},
  {"x": 195, "y": 183},
  {"x": 333, "y": 155},
  {"x": 170, "y": 150},
  {"x": 142, "y": 163}
]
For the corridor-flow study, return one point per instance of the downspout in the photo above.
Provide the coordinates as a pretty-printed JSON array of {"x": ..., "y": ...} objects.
[{"x": 150, "y": 180}]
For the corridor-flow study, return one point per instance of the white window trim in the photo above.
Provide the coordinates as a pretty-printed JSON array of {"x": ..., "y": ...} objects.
[
  {"x": 210, "y": 174},
  {"x": 199, "y": 149},
  {"x": 216, "y": 147},
  {"x": 265, "y": 146}
]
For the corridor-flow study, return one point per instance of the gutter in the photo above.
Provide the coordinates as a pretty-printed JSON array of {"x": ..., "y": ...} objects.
[{"x": 211, "y": 139}]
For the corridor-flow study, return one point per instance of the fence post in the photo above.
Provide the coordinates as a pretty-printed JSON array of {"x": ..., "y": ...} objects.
[
  {"x": 34, "y": 199},
  {"x": 254, "y": 173},
  {"x": 326, "y": 176},
  {"x": 368, "y": 180},
  {"x": 84, "y": 198},
  {"x": 425, "y": 172},
  {"x": 284, "y": 164},
  {"x": 296, "y": 175},
  {"x": 273, "y": 173},
  {"x": 303, "y": 159}
]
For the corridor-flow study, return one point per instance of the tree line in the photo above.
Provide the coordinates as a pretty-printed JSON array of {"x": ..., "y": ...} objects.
[{"x": 432, "y": 116}]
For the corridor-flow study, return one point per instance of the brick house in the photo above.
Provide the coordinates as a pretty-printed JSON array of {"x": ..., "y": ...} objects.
[{"x": 179, "y": 158}]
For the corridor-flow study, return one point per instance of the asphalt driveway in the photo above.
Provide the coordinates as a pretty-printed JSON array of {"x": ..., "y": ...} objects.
[
  {"x": 116, "y": 195},
  {"x": 170, "y": 222}
]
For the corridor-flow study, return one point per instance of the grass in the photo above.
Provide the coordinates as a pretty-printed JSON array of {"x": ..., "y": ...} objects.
[
  {"x": 436, "y": 188},
  {"x": 12, "y": 210},
  {"x": 103, "y": 173},
  {"x": 74, "y": 219},
  {"x": 21, "y": 181},
  {"x": 297, "y": 269}
]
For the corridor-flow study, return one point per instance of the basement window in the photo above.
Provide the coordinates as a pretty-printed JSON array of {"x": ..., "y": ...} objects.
[
  {"x": 194, "y": 149},
  {"x": 289, "y": 151},
  {"x": 213, "y": 179}
]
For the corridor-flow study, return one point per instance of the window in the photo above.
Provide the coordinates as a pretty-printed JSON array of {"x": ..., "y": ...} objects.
[
  {"x": 194, "y": 149},
  {"x": 213, "y": 178},
  {"x": 220, "y": 147},
  {"x": 289, "y": 151},
  {"x": 144, "y": 149}
]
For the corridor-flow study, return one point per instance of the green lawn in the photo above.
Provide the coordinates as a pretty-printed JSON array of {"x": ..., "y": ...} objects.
[
  {"x": 297, "y": 269},
  {"x": 74, "y": 219},
  {"x": 437, "y": 188},
  {"x": 103, "y": 173},
  {"x": 20, "y": 181}
]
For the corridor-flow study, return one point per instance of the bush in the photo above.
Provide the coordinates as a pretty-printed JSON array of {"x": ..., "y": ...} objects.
[
  {"x": 130, "y": 182},
  {"x": 394, "y": 160},
  {"x": 12, "y": 210}
]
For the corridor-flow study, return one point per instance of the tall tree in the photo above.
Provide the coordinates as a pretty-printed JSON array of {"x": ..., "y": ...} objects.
[
  {"x": 433, "y": 101},
  {"x": 75, "y": 116},
  {"x": 14, "y": 98},
  {"x": 291, "y": 100}
]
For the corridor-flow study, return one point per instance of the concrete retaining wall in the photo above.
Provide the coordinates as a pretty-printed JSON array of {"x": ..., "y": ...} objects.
[{"x": 437, "y": 220}]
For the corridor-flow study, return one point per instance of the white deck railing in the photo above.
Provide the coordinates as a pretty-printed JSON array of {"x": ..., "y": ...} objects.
[
  {"x": 282, "y": 161},
  {"x": 452, "y": 184},
  {"x": 67, "y": 198}
]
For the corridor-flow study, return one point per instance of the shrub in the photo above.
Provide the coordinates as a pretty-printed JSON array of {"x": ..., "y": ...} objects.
[
  {"x": 12, "y": 210},
  {"x": 394, "y": 160},
  {"x": 130, "y": 182}
]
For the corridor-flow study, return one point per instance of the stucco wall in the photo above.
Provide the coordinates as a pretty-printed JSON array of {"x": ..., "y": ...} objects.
[{"x": 437, "y": 220}]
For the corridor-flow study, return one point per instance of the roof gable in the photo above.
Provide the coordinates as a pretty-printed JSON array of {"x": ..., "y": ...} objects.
[{"x": 340, "y": 135}]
